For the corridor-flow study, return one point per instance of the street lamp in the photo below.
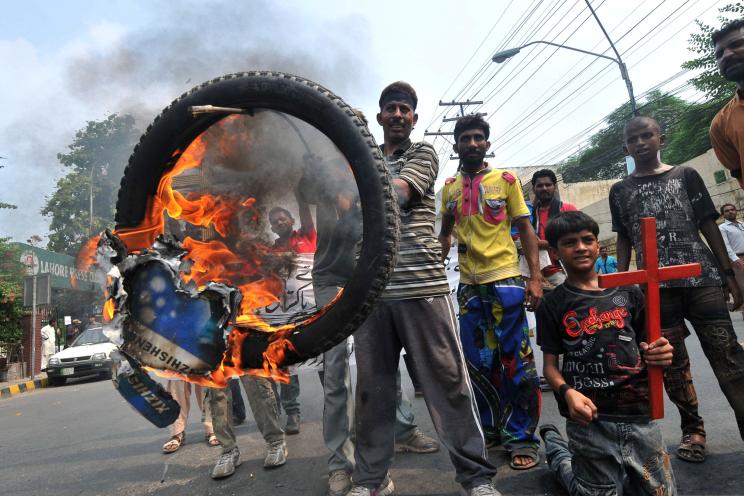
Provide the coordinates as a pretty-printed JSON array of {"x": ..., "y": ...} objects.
[{"x": 503, "y": 55}]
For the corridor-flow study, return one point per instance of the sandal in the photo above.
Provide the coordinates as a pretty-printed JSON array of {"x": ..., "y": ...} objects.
[
  {"x": 212, "y": 439},
  {"x": 524, "y": 452},
  {"x": 175, "y": 442},
  {"x": 692, "y": 448}
]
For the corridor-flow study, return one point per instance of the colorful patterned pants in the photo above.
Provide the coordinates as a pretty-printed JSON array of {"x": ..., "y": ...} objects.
[{"x": 495, "y": 339}]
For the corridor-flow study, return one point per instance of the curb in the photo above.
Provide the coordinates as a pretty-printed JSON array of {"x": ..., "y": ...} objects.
[{"x": 23, "y": 387}]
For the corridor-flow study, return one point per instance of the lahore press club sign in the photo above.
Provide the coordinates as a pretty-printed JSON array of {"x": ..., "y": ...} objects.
[{"x": 61, "y": 268}]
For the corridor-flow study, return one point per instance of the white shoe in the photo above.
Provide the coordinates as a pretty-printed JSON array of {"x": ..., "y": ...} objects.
[
  {"x": 226, "y": 464},
  {"x": 276, "y": 455},
  {"x": 386, "y": 488},
  {"x": 339, "y": 483},
  {"x": 483, "y": 490}
]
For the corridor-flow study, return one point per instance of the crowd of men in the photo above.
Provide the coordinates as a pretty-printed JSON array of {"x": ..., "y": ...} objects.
[{"x": 478, "y": 376}]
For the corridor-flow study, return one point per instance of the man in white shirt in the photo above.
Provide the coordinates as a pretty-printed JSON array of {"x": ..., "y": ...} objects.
[
  {"x": 733, "y": 235},
  {"x": 48, "y": 342}
]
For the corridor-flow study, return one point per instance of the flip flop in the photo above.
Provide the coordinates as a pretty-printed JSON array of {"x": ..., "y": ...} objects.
[
  {"x": 524, "y": 451},
  {"x": 691, "y": 450},
  {"x": 212, "y": 439},
  {"x": 174, "y": 443}
]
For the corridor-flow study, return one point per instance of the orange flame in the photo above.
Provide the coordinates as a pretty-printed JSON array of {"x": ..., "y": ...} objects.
[
  {"x": 87, "y": 255},
  {"x": 214, "y": 261},
  {"x": 108, "y": 310}
]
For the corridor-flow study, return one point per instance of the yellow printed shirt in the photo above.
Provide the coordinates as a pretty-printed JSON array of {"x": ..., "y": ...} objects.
[{"x": 484, "y": 206}]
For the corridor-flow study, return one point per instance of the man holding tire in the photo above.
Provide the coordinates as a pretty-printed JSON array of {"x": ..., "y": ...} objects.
[{"x": 414, "y": 313}]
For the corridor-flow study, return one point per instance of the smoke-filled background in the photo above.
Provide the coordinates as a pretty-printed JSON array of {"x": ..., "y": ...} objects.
[
  {"x": 65, "y": 64},
  {"x": 138, "y": 70}
]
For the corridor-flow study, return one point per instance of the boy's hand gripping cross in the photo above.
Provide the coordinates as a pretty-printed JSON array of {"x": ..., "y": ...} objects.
[{"x": 651, "y": 275}]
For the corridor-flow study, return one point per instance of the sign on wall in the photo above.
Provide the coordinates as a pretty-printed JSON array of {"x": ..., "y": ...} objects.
[{"x": 60, "y": 267}]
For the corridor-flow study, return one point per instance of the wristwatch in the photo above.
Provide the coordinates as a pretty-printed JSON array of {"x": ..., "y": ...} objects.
[{"x": 564, "y": 389}]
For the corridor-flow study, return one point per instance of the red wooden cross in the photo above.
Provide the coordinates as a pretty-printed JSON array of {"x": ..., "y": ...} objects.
[{"x": 651, "y": 275}]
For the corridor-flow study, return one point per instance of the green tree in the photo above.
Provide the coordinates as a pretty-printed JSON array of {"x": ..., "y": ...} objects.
[
  {"x": 96, "y": 160},
  {"x": 685, "y": 124},
  {"x": 604, "y": 158},
  {"x": 11, "y": 293},
  {"x": 709, "y": 81},
  {"x": 3, "y": 204}
]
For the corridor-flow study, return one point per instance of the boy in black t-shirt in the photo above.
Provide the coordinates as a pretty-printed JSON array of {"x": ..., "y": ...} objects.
[
  {"x": 602, "y": 389},
  {"x": 679, "y": 201}
]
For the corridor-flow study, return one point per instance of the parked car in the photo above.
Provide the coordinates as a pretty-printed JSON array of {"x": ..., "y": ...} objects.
[{"x": 89, "y": 354}]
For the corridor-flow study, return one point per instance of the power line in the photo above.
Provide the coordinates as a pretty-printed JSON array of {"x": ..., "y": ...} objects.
[
  {"x": 518, "y": 132},
  {"x": 483, "y": 42},
  {"x": 574, "y": 94},
  {"x": 636, "y": 48}
]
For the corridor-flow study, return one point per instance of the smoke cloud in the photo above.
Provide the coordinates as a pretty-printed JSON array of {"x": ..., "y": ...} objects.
[{"x": 140, "y": 71}]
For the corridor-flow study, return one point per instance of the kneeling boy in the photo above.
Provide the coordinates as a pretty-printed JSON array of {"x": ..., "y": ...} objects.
[{"x": 603, "y": 387}]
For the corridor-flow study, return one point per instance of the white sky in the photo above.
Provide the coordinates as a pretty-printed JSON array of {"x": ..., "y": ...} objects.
[{"x": 62, "y": 65}]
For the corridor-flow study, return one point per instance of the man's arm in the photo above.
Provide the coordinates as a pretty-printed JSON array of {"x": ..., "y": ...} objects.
[
  {"x": 445, "y": 233},
  {"x": 580, "y": 408},
  {"x": 715, "y": 241},
  {"x": 535, "y": 283},
  {"x": 726, "y": 152},
  {"x": 404, "y": 191},
  {"x": 417, "y": 175},
  {"x": 731, "y": 253},
  {"x": 623, "y": 252},
  {"x": 306, "y": 217}
]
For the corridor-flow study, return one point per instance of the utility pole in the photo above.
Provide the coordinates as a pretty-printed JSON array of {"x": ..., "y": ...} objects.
[
  {"x": 487, "y": 155},
  {"x": 90, "y": 211},
  {"x": 623, "y": 68},
  {"x": 33, "y": 328},
  {"x": 462, "y": 106}
]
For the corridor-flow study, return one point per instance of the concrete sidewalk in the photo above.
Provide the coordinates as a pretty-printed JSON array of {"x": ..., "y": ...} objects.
[{"x": 8, "y": 389}]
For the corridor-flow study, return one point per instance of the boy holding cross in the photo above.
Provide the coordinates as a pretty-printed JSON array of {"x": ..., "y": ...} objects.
[
  {"x": 602, "y": 389},
  {"x": 679, "y": 201}
]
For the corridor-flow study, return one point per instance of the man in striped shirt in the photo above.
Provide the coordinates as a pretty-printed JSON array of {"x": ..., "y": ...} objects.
[{"x": 415, "y": 313}]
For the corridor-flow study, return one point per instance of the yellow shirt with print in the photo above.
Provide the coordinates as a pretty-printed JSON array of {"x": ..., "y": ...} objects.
[{"x": 484, "y": 206}]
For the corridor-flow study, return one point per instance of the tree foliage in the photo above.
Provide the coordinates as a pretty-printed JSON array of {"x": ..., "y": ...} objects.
[
  {"x": 11, "y": 293},
  {"x": 96, "y": 158},
  {"x": 709, "y": 81},
  {"x": 3, "y": 204},
  {"x": 604, "y": 157},
  {"x": 686, "y": 124}
]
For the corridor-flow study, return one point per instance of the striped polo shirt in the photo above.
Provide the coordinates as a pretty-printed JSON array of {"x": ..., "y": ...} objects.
[{"x": 419, "y": 271}]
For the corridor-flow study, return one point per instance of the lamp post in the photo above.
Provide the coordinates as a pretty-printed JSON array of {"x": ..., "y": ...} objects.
[{"x": 503, "y": 55}]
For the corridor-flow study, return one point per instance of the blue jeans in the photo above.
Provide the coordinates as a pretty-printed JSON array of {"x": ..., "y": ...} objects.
[{"x": 611, "y": 458}]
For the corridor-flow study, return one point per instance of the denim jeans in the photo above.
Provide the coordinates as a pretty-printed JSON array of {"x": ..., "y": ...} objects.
[{"x": 611, "y": 458}]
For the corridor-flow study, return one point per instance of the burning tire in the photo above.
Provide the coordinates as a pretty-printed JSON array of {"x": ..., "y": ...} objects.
[{"x": 268, "y": 96}]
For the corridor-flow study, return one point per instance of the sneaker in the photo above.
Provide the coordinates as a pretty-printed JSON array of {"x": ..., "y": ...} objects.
[
  {"x": 238, "y": 420},
  {"x": 293, "y": 424},
  {"x": 226, "y": 464},
  {"x": 339, "y": 483},
  {"x": 483, "y": 490},
  {"x": 276, "y": 455},
  {"x": 387, "y": 487},
  {"x": 418, "y": 443}
]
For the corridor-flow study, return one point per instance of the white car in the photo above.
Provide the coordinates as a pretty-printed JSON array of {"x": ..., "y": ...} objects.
[{"x": 89, "y": 354}]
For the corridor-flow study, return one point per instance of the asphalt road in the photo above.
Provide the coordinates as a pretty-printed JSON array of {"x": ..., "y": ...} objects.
[{"x": 82, "y": 439}]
